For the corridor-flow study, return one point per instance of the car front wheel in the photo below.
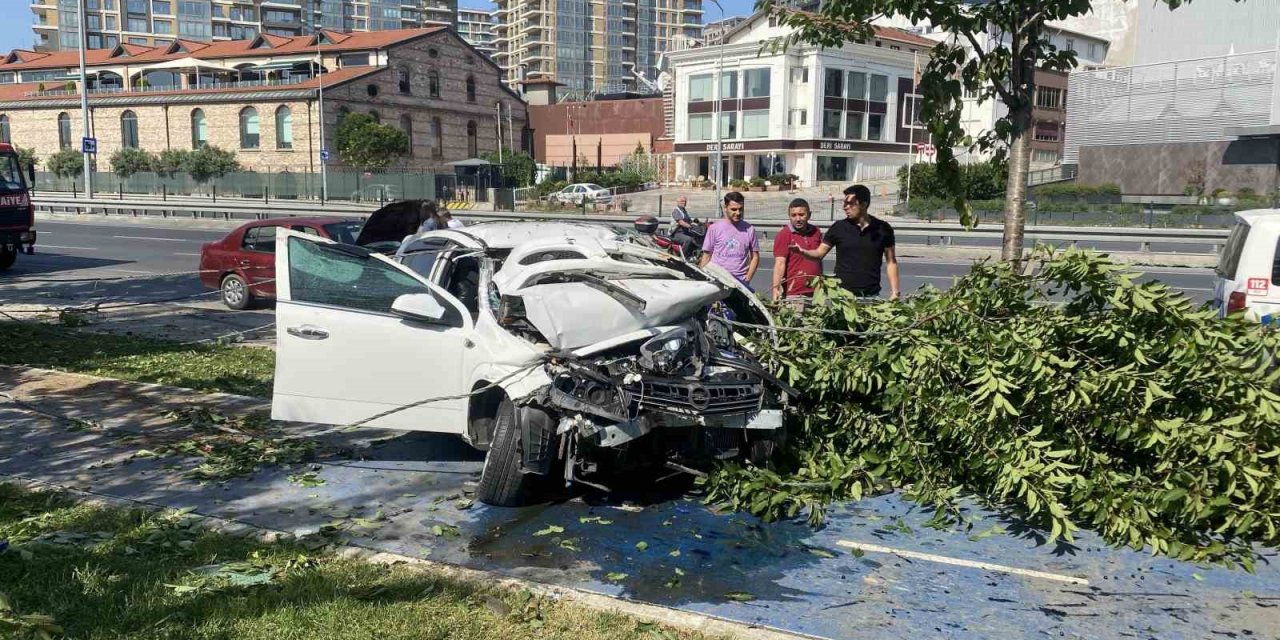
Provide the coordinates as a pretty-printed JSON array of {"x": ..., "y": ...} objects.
[
  {"x": 503, "y": 483},
  {"x": 235, "y": 293},
  {"x": 7, "y": 258}
]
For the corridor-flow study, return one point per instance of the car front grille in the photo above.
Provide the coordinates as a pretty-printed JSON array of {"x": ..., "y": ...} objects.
[{"x": 695, "y": 398}]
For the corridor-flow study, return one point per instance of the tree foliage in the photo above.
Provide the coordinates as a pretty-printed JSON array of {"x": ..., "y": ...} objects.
[
  {"x": 519, "y": 167},
  {"x": 27, "y": 157},
  {"x": 67, "y": 163},
  {"x": 209, "y": 163},
  {"x": 365, "y": 144},
  {"x": 1072, "y": 395},
  {"x": 126, "y": 162}
]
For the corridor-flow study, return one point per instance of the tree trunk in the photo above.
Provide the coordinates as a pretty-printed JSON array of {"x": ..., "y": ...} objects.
[
  {"x": 1015, "y": 198},
  {"x": 1023, "y": 86}
]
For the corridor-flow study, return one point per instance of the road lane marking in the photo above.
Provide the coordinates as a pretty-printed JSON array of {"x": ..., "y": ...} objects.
[
  {"x": 157, "y": 239},
  {"x": 185, "y": 254},
  {"x": 54, "y": 246},
  {"x": 972, "y": 564}
]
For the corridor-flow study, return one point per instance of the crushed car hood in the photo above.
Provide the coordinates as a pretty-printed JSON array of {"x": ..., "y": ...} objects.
[{"x": 596, "y": 291}]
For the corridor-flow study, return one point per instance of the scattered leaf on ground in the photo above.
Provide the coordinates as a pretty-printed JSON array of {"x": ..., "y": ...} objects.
[{"x": 551, "y": 528}]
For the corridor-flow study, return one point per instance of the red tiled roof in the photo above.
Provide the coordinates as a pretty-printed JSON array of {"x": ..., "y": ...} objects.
[
  {"x": 899, "y": 35},
  {"x": 21, "y": 91},
  {"x": 359, "y": 41}
]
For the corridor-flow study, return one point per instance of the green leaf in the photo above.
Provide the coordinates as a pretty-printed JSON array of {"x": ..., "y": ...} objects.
[
  {"x": 642, "y": 545},
  {"x": 550, "y": 529}
]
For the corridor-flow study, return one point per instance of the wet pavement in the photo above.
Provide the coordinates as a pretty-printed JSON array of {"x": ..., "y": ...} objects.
[{"x": 410, "y": 494}]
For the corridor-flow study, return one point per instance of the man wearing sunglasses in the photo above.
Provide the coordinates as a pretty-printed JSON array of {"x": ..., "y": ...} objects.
[{"x": 863, "y": 243}]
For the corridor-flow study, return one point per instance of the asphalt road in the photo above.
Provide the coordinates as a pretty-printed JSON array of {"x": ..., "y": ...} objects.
[{"x": 109, "y": 249}]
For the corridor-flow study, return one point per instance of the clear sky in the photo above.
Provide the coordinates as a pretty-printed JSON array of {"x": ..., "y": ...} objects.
[{"x": 15, "y": 30}]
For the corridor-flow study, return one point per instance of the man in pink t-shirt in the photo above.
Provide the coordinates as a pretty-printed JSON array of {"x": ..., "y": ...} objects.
[{"x": 731, "y": 242}]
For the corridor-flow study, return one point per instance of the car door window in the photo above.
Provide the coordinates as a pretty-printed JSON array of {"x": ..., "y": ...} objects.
[
  {"x": 1275, "y": 265},
  {"x": 260, "y": 239},
  {"x": 307, "y": 230},
  {"x": 348, "y": 278},
  {"x": 421, "y": 256}
]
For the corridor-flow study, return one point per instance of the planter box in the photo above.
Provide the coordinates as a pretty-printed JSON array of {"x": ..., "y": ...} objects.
[{"x": 757, "y": 189}]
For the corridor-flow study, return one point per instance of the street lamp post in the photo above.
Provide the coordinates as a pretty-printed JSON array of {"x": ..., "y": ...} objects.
[
  {"x": 324, "y": 161},
  {"x": 84, "y": 106},
  {"x": 718, "y": 81}
]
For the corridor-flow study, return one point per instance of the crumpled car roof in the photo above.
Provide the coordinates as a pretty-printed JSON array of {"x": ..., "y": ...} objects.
[{"x": 508, "y": 235}]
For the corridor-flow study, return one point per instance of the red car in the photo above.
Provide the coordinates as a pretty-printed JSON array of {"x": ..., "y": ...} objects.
[{"x": 237, "y": 263}]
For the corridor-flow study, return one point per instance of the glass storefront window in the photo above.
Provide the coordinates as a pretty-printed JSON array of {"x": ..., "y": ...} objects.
[{"x": 833, "y": 169}]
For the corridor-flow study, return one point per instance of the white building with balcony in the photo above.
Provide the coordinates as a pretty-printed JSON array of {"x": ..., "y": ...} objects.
[{"x": 825, "y": 115}]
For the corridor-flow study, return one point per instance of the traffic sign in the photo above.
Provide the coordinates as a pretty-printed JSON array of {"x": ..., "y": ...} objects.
[
  {"x": 324, "y": 155},
  {"x": 89, "y": 145}
]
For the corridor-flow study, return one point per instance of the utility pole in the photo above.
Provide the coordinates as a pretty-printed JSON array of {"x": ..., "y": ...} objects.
[
  {"x": 499, "y": 106},
  {"x": 911, "y": 132},
  {"x": 324, "y": 160},
  {"x": 719, "y": 80},
  {"x": 84, "y": 105}
]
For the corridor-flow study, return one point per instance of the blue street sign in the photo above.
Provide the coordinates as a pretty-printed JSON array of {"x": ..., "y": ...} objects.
[
  {"x": 324, "y": 155},
  {"x": 88, "y": 145}
]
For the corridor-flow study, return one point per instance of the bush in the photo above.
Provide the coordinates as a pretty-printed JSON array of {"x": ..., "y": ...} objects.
[
  {"x": 210, "y": 163},
  {"x": 517, "y": 167},
  {"x": 1104, "y": 410},
  {"x": 67, "y": 163},
  {"x": 27, "y": 157},
  {"x": 1072, "y": 191},
  {"x": 126, "y": 162},
  {"x": 756, "y": 181},
  {"x": 739, "y": 184},
  {"x": 981, "y": 180},
  {"x": 549, "y": 187},
  {"x": 170, "y": 162}
]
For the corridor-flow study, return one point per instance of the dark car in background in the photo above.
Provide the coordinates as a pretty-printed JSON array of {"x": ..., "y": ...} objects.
[{"x": 243, "y": 264}]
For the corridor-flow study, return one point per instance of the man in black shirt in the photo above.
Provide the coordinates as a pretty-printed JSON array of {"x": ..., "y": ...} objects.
[{"x": 863, "y": 243}]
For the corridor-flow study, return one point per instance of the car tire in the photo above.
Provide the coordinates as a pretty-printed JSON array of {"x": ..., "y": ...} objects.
[
  {"x": 7, "y": 258},
  {"x": 502, "y": 482},
  {"x": 235, "y": 293}
]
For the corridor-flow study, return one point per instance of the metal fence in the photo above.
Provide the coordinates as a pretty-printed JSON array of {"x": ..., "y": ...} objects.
[{"x": 284, "y": 185}]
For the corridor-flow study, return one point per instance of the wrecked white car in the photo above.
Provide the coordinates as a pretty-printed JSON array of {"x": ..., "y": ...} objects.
[{"x": 568, "y": 351}]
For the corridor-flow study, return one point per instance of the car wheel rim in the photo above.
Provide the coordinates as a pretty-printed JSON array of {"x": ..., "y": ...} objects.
[{"x": 233, "y": 291}]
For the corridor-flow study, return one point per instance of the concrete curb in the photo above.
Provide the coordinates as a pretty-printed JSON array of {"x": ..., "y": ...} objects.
[{"x": 684, "y": 620}]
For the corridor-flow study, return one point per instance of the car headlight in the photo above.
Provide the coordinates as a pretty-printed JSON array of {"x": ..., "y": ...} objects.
[{"x": 668, "y": 352}]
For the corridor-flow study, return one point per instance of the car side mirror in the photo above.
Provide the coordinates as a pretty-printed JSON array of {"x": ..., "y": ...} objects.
[{"x": 422, "y": 307}]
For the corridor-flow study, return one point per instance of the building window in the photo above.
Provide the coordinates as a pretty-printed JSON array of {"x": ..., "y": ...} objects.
[
  {"x": 471, "y": 88},
  {"x": 5, "y": 136},
  {"x": 472, "y": 144},
  {"x": 1071, "y": 44},
  {"x": 433, "y": 84},
  {"x": 853, "y": 125},
  {"x": 1047, "y": 133},
  {"x": 437, "y": 138},
  {"x": 284, "y": 128},
  {"x": 249, "y": 128},
  {"x": 406, "y": 123},
  {"x": 800, "y": 75},
  {"x": 834, "y": 87},
  {"x": 830, "y": 124},
  {"x": 129, "y": 130},
  {"x": 912, "y": 105},
  {"x": 403, "y": 80},
  {"x": 700, "y": 127},
  {"x": 64, "y": 131},
  {"x": 755, "y": 83},
  {"x": 163, "y": 27},
  {"x": 729, "y": 125},
  {"x": 798, "y": 117},
  {"x": 199, "y": 129},
  {"x": 1048, "y": 156},
  {"x": 755, "y": 124},
  {"x": 1048, "y": 98},
  {"x": 875, "y": 126},
  {"x": 879, "y": 88},
  {"x": 728, "y": 85},
  {"x": 857, "y": 86},
  {"x": 700, "y": 88}
]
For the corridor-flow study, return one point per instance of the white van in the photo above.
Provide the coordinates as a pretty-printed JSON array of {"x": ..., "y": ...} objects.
[{"x": 1249, "y": 268}]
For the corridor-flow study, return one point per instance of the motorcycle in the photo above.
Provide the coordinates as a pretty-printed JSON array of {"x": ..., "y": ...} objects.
[{"x": 667, "y": 240}]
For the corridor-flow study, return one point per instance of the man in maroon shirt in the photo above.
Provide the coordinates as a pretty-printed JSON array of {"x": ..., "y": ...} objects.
[{"x": 793, "y": 272}]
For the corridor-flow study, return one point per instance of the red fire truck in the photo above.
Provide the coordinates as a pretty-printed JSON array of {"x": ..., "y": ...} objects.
[{"x": 17, "y": 215}]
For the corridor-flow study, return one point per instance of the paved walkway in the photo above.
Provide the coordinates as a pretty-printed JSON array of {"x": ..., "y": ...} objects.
[{"x": 405, "y": 493}]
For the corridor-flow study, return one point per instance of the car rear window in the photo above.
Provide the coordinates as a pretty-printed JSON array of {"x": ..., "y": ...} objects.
[{"x": 1230, "y": 259}]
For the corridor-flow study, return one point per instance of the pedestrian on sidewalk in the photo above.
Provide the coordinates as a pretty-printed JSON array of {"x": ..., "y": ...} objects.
[
  {"x": 794, "y": 273},
  {"x": 731, "y": 242},
  {"x": 430, "y": 217},
  {"x": 447, "y": 221},
  {"x": 681, "y": 227},
  {"x": 863, "y": 243}
]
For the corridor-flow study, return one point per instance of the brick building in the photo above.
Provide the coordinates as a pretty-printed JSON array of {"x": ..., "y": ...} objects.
[{"x": 261, "y": 97}]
